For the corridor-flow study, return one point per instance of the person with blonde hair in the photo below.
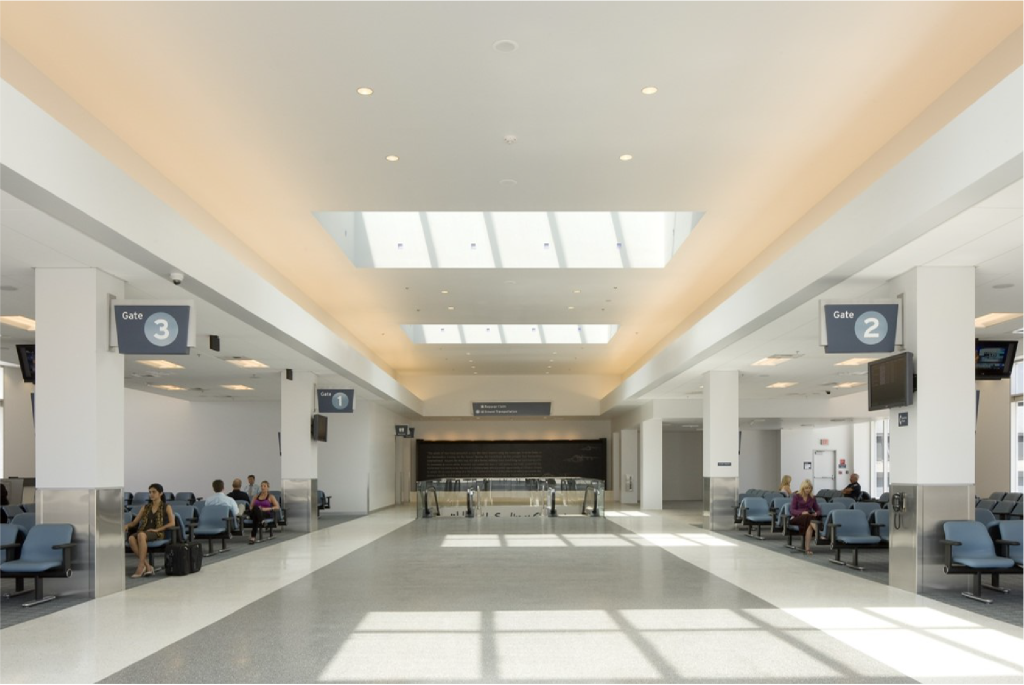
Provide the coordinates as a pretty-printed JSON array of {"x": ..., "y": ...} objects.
[
  {"x": 804, "y": 512},
  {"x": 784, "y": 485}
]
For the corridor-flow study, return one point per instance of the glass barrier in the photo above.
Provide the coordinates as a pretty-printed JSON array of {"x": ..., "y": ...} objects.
[{"x": 509, "y": 497}]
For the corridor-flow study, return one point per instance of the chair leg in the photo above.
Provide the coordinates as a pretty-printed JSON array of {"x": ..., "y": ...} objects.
[
  {"x": 837, "y": 560},
  {"x": 994, "y": 585},
  {"x": 975, "y": 592},
  {"x": 39, "y": 595},
  {"x": 19, "y": 589},
  {"x": 855, "y": 564},
  {"x": 750, "y": 531}
]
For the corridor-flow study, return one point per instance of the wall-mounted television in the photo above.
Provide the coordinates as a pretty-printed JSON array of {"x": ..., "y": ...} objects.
[
  {"x": 27, "y": 360},
  {"x": 993, "y": 359},
  {"x": 891, "y": 382},
  {"x": 319, "y": 428}
]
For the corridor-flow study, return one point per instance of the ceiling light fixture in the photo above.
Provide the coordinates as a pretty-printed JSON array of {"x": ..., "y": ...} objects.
[
  {"x": 364, "y": 91},
  {"x": 444, "y": 292},
  {"x": 167, "y": 387},
  {"x": 781, "y": 384},
  {"x": 849, "y": 384},
  {"x": 236, "y": 387},
  {"x": 160, "y": 364},
  {"x": 625, "y": 158},
  {"x": 505, "y": 45},
  {"x": 649, "y": 90},
  {"x": 22, "y": 322},
  {"x": 995, "y": 318},
  {"x": 246, "y": 363},
  {"x": 773, "y": 360},
  {"x": 451, "y": 308},
  {"x": 856, "y": 361},
  {"x": 392, "y": 158}
]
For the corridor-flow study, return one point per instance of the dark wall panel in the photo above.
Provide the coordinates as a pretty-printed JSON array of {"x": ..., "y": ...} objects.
[{"x": 511, "y": 459}]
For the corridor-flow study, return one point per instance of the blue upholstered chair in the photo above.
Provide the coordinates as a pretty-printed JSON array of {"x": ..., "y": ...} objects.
[
  {"x": 754, "y": 512},
  {"x": 879, "y": 522},
  {"x": 215, "y": 524},
  {"x": 45, "y": 553},
  {"x": 849, "y": 529},
  {"x": 970, "y": 550}
]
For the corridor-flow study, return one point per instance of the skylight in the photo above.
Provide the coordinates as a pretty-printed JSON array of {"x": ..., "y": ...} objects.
[
  {"x": 509, "y": 240},
  {"x": 510, "y": 334}
]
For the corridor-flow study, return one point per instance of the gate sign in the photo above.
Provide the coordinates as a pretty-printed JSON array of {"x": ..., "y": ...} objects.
[
  {"x": 335, "y": 401},
  {"x": 852, "y": 328},
  {"x": 152, "y": 328}
]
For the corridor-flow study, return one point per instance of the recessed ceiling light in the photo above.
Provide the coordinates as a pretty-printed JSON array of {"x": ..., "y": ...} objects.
[
  {"x": 625, "y": 158},
  {"x": 444, "y": 292},
  {"x": 392, "y": 158},
  {"x": 649, "y": 90},
  {"x": 849, "y": 384},
  {"x": 508, "y": 182},
  {"x": 22, "y": 322},
  {"x": 236, "y": 387},
  {"x": 451, "y": 308},
  {"x": 505, "y": 45},
  {"x": 856, "y": 361},
  {"x": 575, "y": 292},
  {"x": 167, "y": 387},
  {"x": 364, "y": 91},
  {"x": 246, "y": 363},
  {"x": 773, "y": 360},
  {"x": 571, "y": 307},
  {"x": 995, "y": 318},
  {"x": 160, "y": 364},
  {"x": 781, "y": 384}
]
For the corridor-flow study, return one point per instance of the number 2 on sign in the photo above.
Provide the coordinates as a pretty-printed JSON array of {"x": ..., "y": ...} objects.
[
  {"x": 872, "y": 323},
  {"x": 164, "y": 331}
]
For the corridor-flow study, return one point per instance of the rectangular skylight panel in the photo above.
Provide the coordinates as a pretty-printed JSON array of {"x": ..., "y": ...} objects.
[
  {"x": 396, "y": 240},
  {"x": 442, "y": 334},
  {"x": 481, "y": 334},
  {"x": 598, "y": 334},
  {"x": 647, "y": 238},
  {"x": 525, "y": 240},
  {"x": 588, "y": 240},
  {"x": 460, "y": 240},
  {"x": 517, "y": 334},
  {"x": 561, "y": 334}
]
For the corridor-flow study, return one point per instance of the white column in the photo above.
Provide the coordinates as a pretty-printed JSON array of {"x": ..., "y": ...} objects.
[
  {"x": 79, "y": 415},
  {"x": 650, "y": 464},
  {"x": 932, "y": 457},
  {"x": 721, "y": 446},
  {"x": 299, "y": 450}
]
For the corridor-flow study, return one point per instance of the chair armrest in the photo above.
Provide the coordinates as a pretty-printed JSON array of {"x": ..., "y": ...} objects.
[
  {"x": 10, "y": 545},
  {"x": 66, "y": 547},
  {"x": 950, "y": 544}
]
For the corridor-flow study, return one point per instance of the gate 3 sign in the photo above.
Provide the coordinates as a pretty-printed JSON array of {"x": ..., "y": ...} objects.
[
  {"x": 152, "y": 328},
  {"x": 849, "y": 328}
]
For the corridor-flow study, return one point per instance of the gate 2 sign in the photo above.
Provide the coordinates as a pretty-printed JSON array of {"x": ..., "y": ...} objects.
[
  {"x": 852, "y": 328},
  {"x": 152, "y": 328}
]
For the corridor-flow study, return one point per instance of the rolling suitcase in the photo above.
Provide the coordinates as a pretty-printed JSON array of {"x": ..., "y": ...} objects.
[
  {"x": 176, "y": 560},
  {"x": 195, "y": 556}
]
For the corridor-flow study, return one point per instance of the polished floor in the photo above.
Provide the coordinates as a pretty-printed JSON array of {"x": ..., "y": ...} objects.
[{"x": 637, "y": 597}]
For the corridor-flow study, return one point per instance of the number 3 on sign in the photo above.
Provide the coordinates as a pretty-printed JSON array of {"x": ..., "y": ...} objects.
[{"x": 163, "y": 329}]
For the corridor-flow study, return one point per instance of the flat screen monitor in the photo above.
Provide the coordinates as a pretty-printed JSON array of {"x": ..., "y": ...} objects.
[
  {"x": 27, "y": 360},
  {"x": 993, "y": 359},
  {"x": 319, "y": 428},
  {"x": 891, "y": 382}
]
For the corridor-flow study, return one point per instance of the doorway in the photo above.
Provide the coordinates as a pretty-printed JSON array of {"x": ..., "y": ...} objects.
[{"x": 824, "y": 477}]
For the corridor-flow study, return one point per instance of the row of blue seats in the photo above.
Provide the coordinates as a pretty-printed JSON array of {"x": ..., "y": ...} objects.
[
  {"x": 974, "y": 549},
  {"x": 323, "y": 501},
  {"x": 1004, "y": 508},
  {"x": 845, "y": 524},
  {"x": 1000, "y": 496}
]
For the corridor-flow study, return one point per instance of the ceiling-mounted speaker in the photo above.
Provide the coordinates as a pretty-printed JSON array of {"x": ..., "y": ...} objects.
[
  {"x": 288, "y": 374},
  {"x": 215, "y": 343}
]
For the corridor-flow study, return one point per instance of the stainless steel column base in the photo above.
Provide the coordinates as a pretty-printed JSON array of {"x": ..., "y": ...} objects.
[
  {"x": 719, "y": 503},
  {"x": 300, "y": 503},
  {"x": 98, "y": 557},
  {"x": 916, "y": 552}
]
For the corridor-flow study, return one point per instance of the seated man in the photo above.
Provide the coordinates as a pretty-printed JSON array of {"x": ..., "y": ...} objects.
[
  {"x": 220, "y": 498},
  {"x": 252, "y": 489},
  {"x": 237, "y": 493},
  {"x": 853, "y": 489}
]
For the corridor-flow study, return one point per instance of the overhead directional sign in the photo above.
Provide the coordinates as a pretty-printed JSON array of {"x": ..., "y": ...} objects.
[
  {"x": 511, "y": 409},
  {"x": 152, "y": 328},
  {"x": 858, "y": 328},
  {"x": 335, "y": 401}
]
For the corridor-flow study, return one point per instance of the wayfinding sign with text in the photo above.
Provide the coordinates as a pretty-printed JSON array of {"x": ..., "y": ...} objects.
[
  {"x": 511, "y": 409},
  {"x": 152, "y": 328},
  {"x": 858, "y": 328},
  {"x": 335, "y": 401}
]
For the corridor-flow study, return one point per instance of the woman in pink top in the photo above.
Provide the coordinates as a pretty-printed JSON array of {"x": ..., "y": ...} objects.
[
  {"x": 804, "y": 512},
  {"x": 262, "y": 506}
]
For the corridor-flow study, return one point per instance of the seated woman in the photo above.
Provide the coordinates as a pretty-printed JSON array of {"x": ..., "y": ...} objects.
[
  {"x": 784, "y": 485},
  {"x": 264, "y": 505},
  {"x": 151, "y": 523},
  {"x": 804, "y": 512}
]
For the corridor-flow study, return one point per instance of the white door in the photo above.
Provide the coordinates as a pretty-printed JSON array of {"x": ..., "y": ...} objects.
[{"x": 824, "y": 470}]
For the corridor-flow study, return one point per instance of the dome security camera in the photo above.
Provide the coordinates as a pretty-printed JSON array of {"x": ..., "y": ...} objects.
[{"x": 177, "y": 277}]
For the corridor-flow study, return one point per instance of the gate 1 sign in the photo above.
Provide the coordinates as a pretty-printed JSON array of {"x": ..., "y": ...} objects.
[
  {"x": 859, "y": 328},
  {"x": 152, "y": 328},
  {"x": 335, "y": 401}
]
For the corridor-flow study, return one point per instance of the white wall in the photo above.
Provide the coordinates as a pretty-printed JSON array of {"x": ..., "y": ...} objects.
[
  {"x": 186, "y": 445},
  {"x": 682, "y": 466},
  {"x": 798, "y": 446},
  {"x": 760, "y": 459},
  {"x": 19, "y": 456},
  {"x": 993, "y": 443}
]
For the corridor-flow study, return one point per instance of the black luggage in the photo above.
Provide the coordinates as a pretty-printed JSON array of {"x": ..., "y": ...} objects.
[
  {"x": 195, "y": 556},
  {"x": 176, "y": 560}
]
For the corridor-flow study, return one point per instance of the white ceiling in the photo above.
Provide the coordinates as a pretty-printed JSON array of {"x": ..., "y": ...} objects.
[{"x": 249, "y": 110}]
